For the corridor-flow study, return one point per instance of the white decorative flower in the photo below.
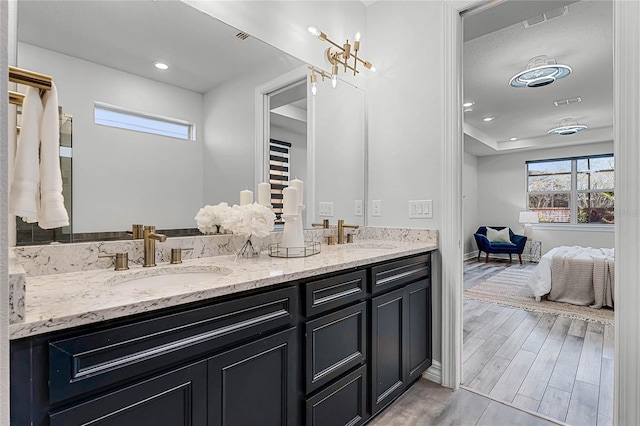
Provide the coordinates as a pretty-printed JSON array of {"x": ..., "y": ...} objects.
[
  {"x": 250, "y": 219},
  {"x": 209, "y": 217}
]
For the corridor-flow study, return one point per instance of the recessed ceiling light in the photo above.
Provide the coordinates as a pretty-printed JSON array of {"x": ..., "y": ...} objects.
[
  {"x": 468, "y": 104},
  {"x": 567, "y": 127},
  {"x": 513, "y": 139},
  {"x": 540, "y": 72},
  {"x": 161, "y": 65},
  {"x": 488, "y": 119}
]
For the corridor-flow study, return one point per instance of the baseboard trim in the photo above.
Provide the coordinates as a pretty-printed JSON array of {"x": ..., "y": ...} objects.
[
  {"x": 434, "y": 373},
  {"x": 470, "y": 255}
]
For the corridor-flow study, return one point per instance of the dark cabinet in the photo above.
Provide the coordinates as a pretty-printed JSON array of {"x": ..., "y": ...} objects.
[
  {"x": 341, "y": 403},
  {"x": 334, "y": 344},
  {"x": 400, "y": 340},
  {"x": 176, "y": 398},
  {"x": 330, "y": 350},
  {"x": 255, "y": 384}
]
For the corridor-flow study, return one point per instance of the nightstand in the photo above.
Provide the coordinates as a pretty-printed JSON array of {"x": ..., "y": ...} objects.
[{"x": 532, "y": 251}]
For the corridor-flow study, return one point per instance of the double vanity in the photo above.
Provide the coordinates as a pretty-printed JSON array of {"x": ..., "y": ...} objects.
[{"x": 329, "y": 339}]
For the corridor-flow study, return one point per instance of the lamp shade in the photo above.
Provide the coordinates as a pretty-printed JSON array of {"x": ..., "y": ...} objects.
[{"x": 528, "y": 217}]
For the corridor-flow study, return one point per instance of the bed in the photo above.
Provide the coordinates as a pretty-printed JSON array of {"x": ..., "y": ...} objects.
[{"x": 576, "y": 275}]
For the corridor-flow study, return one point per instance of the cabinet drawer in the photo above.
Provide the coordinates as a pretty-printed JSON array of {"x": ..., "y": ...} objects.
[
  {"x": 334, "y": 344},
  {"x": 330, "y": 293},
  {"x": 175, "y": 398},
  {"x": 341, "y": 403},
  {"x": 85, "y": 363},
  {"x": 393, "y": 274}
]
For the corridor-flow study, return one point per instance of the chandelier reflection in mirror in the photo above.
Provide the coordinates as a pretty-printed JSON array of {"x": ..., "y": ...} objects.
[{"x": 345, "y": 56}]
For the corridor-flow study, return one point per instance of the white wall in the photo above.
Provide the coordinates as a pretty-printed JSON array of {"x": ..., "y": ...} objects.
[
  {"x": 229, "y": 133},
  {"x": 470, "y": 202},
  {"x": 405, "y": 110},
  {"x": 339, "y": 150},
  {"x": 122, "y": 177},
  {"x": 502, "y": 186}
]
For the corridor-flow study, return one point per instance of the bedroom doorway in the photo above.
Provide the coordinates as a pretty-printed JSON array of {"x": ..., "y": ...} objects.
[{"x": 555, "y": 360}]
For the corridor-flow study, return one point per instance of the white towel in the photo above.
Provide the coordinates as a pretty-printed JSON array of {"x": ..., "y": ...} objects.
[
  {"x": 25, "y": 194},
  {"x": 36, "y": 190},
  {"x": 52, "y": 213}
]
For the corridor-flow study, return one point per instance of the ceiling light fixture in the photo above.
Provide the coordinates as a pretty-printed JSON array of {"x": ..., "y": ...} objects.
[
  {"x": 568, "y": 127},
  {"x": 540, "y": 71},
  {"x": 161, "y": 65},
  {"x": 513, "y": 139},
  {"x": 341, "y": 55},
  {"x": 487, "y": 119}
]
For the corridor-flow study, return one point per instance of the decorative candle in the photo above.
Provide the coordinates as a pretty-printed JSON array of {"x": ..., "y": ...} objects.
[
  {"x": 246, "y": 197},
  {"x": 290, "y": 201},
  {"x": 264, "y": 194},
  {"x": 299, "y": 185}
]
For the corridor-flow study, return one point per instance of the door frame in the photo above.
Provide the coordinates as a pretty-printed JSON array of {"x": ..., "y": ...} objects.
[{"x": 626, "y": 17}]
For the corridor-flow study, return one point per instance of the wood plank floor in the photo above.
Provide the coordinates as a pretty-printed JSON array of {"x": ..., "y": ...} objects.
[
  {"x": 559, "y": 367},
  {"x": 427, "y": 403}
]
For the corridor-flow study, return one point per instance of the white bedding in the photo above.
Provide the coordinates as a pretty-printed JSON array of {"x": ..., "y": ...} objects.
[{"x": 540, "y": 281}]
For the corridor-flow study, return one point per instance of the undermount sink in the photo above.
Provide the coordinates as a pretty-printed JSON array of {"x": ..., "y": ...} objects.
[{"x": 174, "y": 276}]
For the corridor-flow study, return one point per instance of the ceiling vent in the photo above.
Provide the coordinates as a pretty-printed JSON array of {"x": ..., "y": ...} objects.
[
  {"x": 540, "y": 71},
  {"x": 567, "y": 101},
  {"x": 567, "y": 127},
  {"x": 539, "y": 19},
  {"x": 242, "y": 36}
]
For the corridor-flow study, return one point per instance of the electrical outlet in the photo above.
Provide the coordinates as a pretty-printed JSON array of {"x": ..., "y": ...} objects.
[
  {"x": 325, "y": 208},
  {"x": 420, "y": 209},
  {"x": 376, "y": 208},
  {"x": 357, "y": 209}
]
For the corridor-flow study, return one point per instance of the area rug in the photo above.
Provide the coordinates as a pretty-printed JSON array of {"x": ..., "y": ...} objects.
[{"x": 509, "y": 288}]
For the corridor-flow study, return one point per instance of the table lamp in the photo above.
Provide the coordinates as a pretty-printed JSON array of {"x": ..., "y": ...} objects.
[{"x": 527, "y": 218}]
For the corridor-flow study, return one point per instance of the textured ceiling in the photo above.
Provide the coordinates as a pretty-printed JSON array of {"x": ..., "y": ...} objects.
[{"x": 583, "y": 39}]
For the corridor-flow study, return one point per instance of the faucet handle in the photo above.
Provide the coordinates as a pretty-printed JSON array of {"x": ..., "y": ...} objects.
[
  {"x": 137, "y": 232},
  {"x": 122, "y": 260},
  {"x": 176, "y": 254},
  {"x": 330, "y": 240},
  {"x": 324, "y": 224}
]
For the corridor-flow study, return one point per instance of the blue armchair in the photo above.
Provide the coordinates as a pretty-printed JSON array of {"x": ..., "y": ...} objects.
[{"x": 516, "y": 246}]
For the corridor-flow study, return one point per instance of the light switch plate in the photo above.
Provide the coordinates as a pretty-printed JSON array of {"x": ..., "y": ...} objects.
[
  {"x": 325, "y": 209},
  {"x": 357, "y": 208},
  {"x": 376, "y": 208},
  {"x": 420, "y": 209}
]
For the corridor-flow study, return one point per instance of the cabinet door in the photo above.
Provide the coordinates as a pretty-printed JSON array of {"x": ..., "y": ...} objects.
[
  {"x": 177, "y": 398},
  {"x": 335, "y": 343},
  {"x": 388, "y": 348},
  {"x": 255, "y": 384},
  {"x": 341, "y": 403},
  {"x": 419, "y": 305}
]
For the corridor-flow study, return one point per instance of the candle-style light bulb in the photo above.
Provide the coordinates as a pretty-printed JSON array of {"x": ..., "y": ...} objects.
[
  {"x": 314, "y": 83},
  {"x": 357, "y": 37},
  {"x": 313, "y": 30},
  {"x": 334, "y": 81}
]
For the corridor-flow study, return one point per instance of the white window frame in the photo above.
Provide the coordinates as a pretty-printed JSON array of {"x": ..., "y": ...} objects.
[
  {"x": 190, "y": 126},
  {"x": 573, "y": 200}
]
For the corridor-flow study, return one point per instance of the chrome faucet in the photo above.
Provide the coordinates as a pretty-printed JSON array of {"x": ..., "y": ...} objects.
[
  {"x": 341, "y": 227},
  {"x": 150, "y": 238}
]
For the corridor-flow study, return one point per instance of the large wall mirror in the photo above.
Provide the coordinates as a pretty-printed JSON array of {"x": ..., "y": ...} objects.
[{"x": 103, "y": 53}]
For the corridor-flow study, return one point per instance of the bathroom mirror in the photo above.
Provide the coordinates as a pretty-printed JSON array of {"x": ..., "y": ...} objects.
[{"x": 104, "y": 51}]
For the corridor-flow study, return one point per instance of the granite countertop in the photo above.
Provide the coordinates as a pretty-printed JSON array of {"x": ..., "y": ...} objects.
[{"x": 61, "y": 301}]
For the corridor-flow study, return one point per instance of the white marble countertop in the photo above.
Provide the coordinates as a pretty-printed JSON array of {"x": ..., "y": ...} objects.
[{"x": 61, "y": 301}]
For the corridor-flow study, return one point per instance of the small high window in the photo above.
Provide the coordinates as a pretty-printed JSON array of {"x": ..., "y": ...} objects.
[{"x": 125, "y": 118}]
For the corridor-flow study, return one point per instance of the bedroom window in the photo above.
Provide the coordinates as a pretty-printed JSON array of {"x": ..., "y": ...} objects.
[
  {"x": 278, "y": 174},
  {"x": 575, "y": 191}
]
